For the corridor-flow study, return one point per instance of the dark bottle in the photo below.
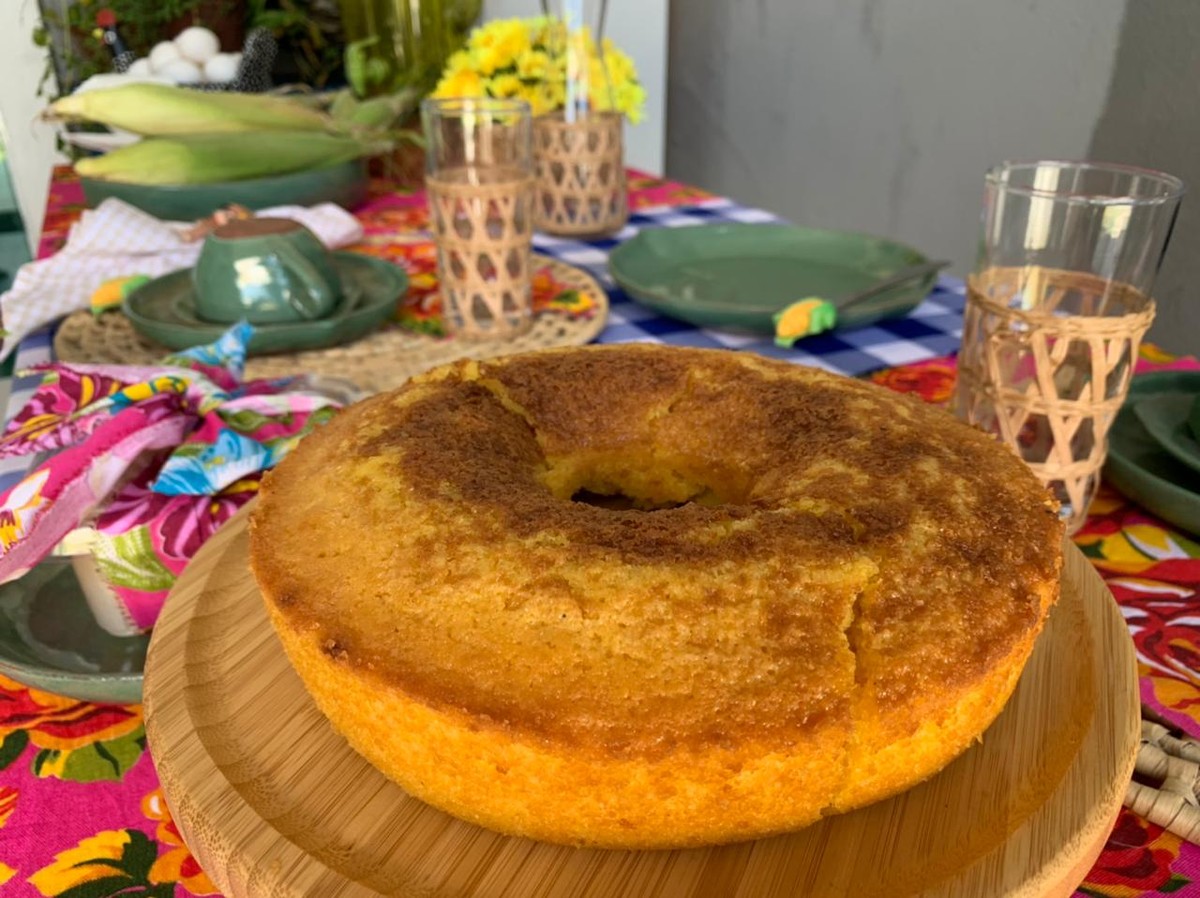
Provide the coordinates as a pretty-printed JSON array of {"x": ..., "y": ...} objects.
[{"x": 106, "y": 22}]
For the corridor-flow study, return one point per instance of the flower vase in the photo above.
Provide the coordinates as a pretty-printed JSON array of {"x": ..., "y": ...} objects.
[{"x": 580, "y": 169}]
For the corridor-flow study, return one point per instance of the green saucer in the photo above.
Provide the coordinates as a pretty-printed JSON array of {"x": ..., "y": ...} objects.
[
  {"x": 739, "y": 275},
  {"x": 1139, "y": 467},
  {"x": 164, "y": 310},
  {"x": 50, "y": 640}
]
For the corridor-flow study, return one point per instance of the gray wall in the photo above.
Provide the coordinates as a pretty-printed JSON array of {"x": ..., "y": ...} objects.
[{"x": 883, "y": 116}]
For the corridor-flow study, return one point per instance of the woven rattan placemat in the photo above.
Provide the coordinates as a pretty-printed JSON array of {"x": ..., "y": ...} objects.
[{"x": 381, "y": 361}]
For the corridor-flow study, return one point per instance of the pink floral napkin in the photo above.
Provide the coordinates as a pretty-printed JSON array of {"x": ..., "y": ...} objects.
[{"x": 154, "y": 458}]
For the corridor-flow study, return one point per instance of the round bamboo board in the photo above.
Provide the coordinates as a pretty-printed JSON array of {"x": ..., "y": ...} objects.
[{"x": 274, "y": 803}]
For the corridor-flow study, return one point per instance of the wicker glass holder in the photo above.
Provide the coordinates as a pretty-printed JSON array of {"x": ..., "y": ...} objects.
[
  {"x": 1046, "y": 360},
  {"x": 483, "y": 232},
  {"x": 580, "y": 174}
]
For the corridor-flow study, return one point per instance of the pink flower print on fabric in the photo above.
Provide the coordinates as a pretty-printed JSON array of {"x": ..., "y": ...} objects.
[{"x": 71, "y": 485}]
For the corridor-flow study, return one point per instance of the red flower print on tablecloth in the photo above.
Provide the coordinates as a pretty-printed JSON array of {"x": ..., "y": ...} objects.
[
  {"x": 933, "y": 380},
  {"x": 647, "y": 190},
  {"x": 1137, "y": 859},
  {"x": 1154, "y": 574},
  {"x": 73, "y": 740}
]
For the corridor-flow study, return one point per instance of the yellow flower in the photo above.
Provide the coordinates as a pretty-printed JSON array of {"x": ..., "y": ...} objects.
[
  {"x": 630, "y": 99},
  {"x": 535, "y": 52},
  {"x": 498, "y": 45},
  {"x": 505, "y": 86},
  {"x": 84, "y": 863},
  {"x": 6, "y": 873},
  {"x": 463, "y": 83},
  {"x": 459, "y": 60},
  {"x": 538, "y": 97},
  {"x": 620, "y": 66},
  {"x": 534, "y": 64}
]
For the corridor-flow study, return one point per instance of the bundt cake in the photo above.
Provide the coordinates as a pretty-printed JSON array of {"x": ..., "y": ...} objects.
[{"x": 642, "y": 597}]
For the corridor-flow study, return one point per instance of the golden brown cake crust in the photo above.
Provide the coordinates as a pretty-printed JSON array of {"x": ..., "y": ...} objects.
[{"x": 829, "y": 591}]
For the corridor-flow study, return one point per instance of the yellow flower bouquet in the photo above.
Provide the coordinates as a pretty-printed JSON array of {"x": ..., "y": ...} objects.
[{"x": 528, "y": 59}]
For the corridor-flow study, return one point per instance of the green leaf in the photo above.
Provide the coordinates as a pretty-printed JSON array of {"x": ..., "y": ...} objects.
[
  {"x": 128, "y": 560},
  {"x": 104, "y": 761},
  {"x": 247, "y": 421},
  {"x": 1174, "y": 884},
  {"x": 12, "y": 746},
  {"x": 40, "y": 759},
  {"x": 139, "y": 855}
]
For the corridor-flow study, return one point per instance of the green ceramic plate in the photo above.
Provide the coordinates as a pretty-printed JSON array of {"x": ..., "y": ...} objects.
[
  {"x": 164, "y": 310},
  {"x": 1165, "y": 417},
  {"x": 344, "y": 184},
  {"x": 739, "y": 275},
  {"x": 49, "y": 640},
  {"x": 1140, "y": 468}
]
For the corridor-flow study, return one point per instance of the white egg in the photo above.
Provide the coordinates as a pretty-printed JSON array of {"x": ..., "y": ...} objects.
[
  {"x": 197, "y": 44},
  {"x": 139, "y": 67},
  {"x": 181, "y": 71},
  {"x": 222, "y": 68},
  {"x": 162, "y": 53}
]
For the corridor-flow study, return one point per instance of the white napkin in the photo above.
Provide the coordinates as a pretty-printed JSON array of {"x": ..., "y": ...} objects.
[{"x": 115, "y": 240}]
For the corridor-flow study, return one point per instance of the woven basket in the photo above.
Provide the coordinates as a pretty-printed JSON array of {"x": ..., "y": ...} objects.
[
  {"x": 484, "y": 233},
  {"x": 1046, "y": 360},
  {"x": 580, "y": 174}
]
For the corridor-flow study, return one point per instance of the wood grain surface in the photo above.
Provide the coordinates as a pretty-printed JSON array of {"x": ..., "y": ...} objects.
[{"x": 274, "y": 803}]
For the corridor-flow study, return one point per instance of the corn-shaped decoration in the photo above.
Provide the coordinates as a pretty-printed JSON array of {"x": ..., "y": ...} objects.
[
  {"x": 160, "y": 110},
  {"x": 209, "y": 158}
]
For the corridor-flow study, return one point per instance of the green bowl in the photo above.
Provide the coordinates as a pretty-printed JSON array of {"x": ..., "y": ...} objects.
[
  {"x": 739, "y": 275},
  {"x": 50, "y": 640},
  {"x": 344, "y": 184}
]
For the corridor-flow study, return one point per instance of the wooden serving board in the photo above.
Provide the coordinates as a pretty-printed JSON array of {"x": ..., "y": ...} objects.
[{"x": 274, "y": 803}]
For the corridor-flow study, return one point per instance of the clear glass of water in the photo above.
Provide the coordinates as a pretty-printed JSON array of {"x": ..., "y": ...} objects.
[{"x": 1058, "y": 302}]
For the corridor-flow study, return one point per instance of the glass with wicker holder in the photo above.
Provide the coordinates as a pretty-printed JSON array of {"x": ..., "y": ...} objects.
[{"x": 1057, "y": 305}]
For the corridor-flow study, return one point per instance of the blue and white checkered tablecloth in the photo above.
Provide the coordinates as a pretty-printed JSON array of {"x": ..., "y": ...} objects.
[{"x": 933, "y": 329}]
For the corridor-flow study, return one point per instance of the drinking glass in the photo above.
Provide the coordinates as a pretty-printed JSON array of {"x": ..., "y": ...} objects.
[
  {"x": 1056, "y": 307},
  {"x": 480, "y": 186}
]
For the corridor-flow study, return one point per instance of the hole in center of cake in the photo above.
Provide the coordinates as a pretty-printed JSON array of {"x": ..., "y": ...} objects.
[
  {"x": 646, "y": 484},
  {"x": 622, "y": 502}
]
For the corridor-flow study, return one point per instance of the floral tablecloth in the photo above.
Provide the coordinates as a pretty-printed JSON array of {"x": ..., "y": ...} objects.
[{"x": 82, "y": 815}]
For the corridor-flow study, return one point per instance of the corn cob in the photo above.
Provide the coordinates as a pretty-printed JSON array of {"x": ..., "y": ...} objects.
[
  {"x": 210, "y": 158},
  {"x": 159, "y": 110}
]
